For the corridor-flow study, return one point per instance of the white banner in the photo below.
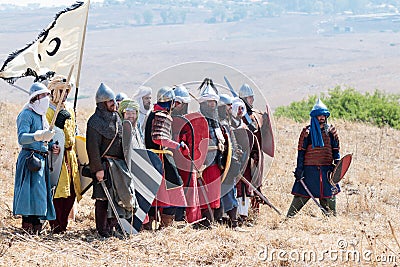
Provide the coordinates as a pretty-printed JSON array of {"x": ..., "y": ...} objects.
[{"x": 56, "y": 48}]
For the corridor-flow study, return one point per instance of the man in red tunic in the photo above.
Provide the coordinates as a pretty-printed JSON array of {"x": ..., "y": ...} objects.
[
  {"x": 158, "y": 138},
  {"x": 211, "y": 175}
]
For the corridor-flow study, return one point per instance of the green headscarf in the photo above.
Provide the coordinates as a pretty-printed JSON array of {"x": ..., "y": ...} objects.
[{"x": 127, "y": 104}]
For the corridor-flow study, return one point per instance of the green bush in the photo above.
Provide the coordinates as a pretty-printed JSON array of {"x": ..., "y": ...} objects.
[{"x": 377, "y": 108}]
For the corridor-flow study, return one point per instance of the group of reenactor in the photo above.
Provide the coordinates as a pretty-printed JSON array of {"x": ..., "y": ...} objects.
[
  {"x": 202, "y": 162},
  {"x": 209, "y": 162}
]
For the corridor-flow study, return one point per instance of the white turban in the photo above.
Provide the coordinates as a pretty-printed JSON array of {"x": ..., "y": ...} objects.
[
  {"x": 237, "y": 102},
  {"x": 143, "y": 91}
]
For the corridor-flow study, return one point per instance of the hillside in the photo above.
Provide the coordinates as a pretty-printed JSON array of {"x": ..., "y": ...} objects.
[
  {"x": 289, "y": 57},
  {"x": 369, "y": 201}
]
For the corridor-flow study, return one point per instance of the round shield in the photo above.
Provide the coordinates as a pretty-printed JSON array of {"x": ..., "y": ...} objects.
[
  {"x": 340, "y": 170},
  {"x": 267, "y": 142},
  {"x": 83, "y": 159},
  {"x": 257, "y": 166},
  {"x": 227, "y": 155},
  {"x": 245, "y": 141}
]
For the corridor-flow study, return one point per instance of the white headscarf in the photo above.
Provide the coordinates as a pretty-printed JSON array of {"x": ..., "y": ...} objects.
[
  {"x": 236, "y": 103},
  {"x": 39, "y": 106},
  {"x": 143, "y": 91}
]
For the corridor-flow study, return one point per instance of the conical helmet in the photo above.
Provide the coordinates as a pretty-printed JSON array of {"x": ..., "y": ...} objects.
[
  {"x": 181, "y": 94},
  {"x": 246, "y": 91},
  {"x": 104, "y": 93},
  {"x": 225, "y": 99},
  {"x": 319, "y": 109},
  {"x": 208, "y": 91},
  {"x": 120, "y": 96},
  {"x": 165, "y": 94}
]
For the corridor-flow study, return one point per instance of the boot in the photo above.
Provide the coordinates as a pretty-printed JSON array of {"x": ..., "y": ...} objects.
[
  {"x": 149, "y": 226},
  {"x": 218, "y": 214},
  {"x": 167, "y": 220},
  {"x": 233, "y": 221},
  {"x": 297, "y": 203},
  {"x": 329, "y": 204},
  {"x": 28, "y": 227},
  {"x": 207, "y": 222},
  {"x": 37, "y": 228},
  {"x": 101, "y": 218}
]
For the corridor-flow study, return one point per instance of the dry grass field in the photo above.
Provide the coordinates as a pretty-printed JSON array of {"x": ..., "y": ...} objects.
[
  {"x": 288, "y": 58},
  {"x": 366, "y": 231}
]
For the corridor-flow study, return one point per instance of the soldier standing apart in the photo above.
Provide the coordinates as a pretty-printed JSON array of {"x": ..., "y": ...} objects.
[
  {"x": 69, "y": 185},
  {"x": 143, "y": 97},
  {"x": 32, "y": 192},
  {"x": 211, "y": 175},
  {"x": 158, "y": 138},
  {"x": 318, "y": 148},
  {"x": 106, "y": 161}
]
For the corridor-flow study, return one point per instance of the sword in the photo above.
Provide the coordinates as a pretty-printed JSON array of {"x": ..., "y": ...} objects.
[
  {"x": 126, "y": 227},
  {"x": 313, "y": 198},
  {"x": 259, "y": 194},
  {"x": 203, "y": 190}
]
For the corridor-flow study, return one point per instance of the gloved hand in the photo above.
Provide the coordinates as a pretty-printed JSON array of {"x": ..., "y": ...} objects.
[
  {"x": 62, "y": 116},
  {"x": 298, "y": 173},
  {"x": 184, "y": 149},
  {"x": 43, "y": 135}
]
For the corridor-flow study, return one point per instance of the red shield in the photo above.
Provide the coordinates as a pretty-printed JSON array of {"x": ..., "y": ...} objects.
[
  {"x": 193, "y": 130},
  {"x": 341, "y": 169}
]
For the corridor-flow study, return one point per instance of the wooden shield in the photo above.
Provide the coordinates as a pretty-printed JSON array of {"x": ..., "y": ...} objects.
[
  {"x": 257, "y": 168},
  {"x": 127, "y": 141},
  {"x": 341, "y": 169},
  {"x": 227, "y": 155},
  {"x": 56, "y": 160},
  {"x": 267, "y": 142},
  {"x": 245, "y": 141},
  {"x": 83, "y": 159}
]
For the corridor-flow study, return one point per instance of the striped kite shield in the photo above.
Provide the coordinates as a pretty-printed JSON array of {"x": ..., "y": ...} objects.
[
  {"x": 147, "y": 169},
  {"x": 341, "y": 169}
]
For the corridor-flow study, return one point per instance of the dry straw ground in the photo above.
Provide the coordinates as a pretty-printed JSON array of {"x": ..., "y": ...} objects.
[{"x": 365, "y": 229}]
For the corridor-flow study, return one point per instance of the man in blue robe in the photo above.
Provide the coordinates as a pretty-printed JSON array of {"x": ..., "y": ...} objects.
[
  {"x": 32, "y": 192},
  {"x": 318, "y": 150}
]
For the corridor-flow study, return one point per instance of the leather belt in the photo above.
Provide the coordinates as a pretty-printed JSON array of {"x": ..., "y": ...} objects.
[
  {"x": 160, "y": 151},
  {"x": 42, "y": 153}
]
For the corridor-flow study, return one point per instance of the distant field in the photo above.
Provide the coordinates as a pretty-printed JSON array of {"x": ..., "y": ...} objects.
[{"x": 288, "y": 57}]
